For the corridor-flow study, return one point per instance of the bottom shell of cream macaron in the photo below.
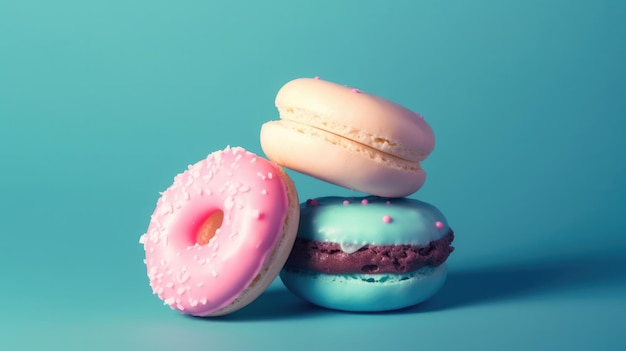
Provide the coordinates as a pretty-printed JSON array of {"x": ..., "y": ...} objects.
[{"x": 365, "y": 292}]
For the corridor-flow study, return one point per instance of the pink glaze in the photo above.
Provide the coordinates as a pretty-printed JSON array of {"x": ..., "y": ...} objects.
[{"x": 200, "y": 279}]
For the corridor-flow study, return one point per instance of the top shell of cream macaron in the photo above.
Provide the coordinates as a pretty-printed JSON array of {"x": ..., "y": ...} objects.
[
  {"x": 356, "y": 115},
  {"x": 348, "y": 137}
]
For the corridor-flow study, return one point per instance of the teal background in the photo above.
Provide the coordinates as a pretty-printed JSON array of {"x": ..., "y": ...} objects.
[{"x": 103, "y": 102}]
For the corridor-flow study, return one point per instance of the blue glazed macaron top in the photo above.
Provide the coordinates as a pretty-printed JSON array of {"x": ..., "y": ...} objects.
[{"x": 354, "y": 222}]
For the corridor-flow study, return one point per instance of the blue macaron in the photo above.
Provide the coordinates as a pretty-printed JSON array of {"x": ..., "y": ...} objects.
[{"x": 367, "y": 254}]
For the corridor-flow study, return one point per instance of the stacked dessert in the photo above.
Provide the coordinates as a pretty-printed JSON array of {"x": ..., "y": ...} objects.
[
  {"x": 382, "y": 251},
  {"x": 226, "y": 227}
]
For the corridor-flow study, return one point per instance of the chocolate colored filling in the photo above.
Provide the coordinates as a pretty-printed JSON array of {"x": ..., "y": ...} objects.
[{"x": 328, "y": 257}]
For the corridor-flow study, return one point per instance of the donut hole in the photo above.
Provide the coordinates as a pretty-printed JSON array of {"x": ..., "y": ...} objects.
[{"x": 209, "y": 227}]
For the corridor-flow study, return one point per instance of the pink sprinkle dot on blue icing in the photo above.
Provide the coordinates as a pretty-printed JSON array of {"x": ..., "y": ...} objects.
[{"x": 312, "y": 202}]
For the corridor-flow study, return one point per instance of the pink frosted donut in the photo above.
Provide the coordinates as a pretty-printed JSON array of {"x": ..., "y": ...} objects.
[{"x": 221, "y": 233}]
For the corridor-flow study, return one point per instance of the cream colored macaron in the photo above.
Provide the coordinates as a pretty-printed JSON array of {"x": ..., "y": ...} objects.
[{"x": 348, "y": 137}]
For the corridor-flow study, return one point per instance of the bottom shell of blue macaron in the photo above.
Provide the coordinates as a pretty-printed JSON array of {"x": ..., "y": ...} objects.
[{"x": 366, "y": 292}]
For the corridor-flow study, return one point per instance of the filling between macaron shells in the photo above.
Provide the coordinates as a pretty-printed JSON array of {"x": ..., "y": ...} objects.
[{"x": 334, "y": 258}]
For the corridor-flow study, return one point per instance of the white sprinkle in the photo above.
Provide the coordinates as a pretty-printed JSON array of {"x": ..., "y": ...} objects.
[
  {"x": 270, "y": 175},
  {"x": 260, "y": 175},
  {"x": 142, "y": 239},
  {"x": 264, "y": 191},
  {"x": 180, "y": 291},
  {"x": 166, "y": 208},
  {"x": 253, "y": 160},
  {"x": 232, "y": 189},
  {"x": 244, "y": 188},
  {"x": 228, "y": 203},
  {"x": 169, "y": 285},
  {"x": 203, "y": 301},
  {"x": 182, "y": 277},
  {"x": 169, "y": 301},
  {"x": 193, "y": 302}
]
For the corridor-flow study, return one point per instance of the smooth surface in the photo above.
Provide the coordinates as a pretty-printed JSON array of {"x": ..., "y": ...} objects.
[
  {"x": 348, "y": 137},
  {"x": 357, "y": 115},
  {"x": 339, "y": 161},
  {"x": 357, "y": 221},
  {"x": 366, "y": 292},
  {"x": 103, "y": 102}
]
